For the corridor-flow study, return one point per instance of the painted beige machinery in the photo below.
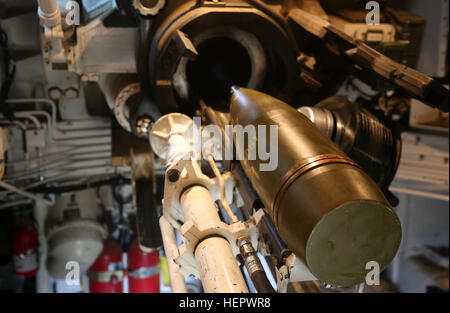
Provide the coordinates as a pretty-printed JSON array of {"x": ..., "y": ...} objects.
[
  {"x": 73, "y": 232},
  {"x": 209, "y": 245},
  {"x": 323, "y": 204}
]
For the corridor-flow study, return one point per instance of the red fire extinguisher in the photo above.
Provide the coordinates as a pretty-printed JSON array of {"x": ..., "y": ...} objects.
[
  {"x": 143, "y": 270},
  {"x": 25, "y": 247},
  {"x": 106, "y": 274}
]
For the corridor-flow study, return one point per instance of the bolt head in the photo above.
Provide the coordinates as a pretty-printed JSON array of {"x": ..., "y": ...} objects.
[
  {"x": 144, "y": 125},
  {"x": 173, "y": 175}
]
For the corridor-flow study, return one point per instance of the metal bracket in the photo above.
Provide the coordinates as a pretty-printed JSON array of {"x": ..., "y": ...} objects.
[
  {"x": 294, "y": 270},
  {"x": 190, "y": 173},
  {"x": 192, "y": 235},
  {"x": 149, "y": 11}
]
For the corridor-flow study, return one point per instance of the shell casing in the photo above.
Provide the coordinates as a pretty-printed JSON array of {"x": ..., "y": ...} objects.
[{"x": 325, "y": 207}]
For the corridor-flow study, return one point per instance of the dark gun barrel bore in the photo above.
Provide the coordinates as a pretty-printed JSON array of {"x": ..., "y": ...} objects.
[{"x": 325, "y": 207}]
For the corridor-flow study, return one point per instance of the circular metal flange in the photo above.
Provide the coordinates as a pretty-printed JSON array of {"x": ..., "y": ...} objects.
[
  {"x": 164, "y": 127},
  {"x": 192, "y": 235},
  {"x": 121, "y": 109},
  {"x": 146, "y": 9},
  {"x": 143, "y": 125},
  {"x": 166, "y": 62},
  {"x": 247, "y": 40}
]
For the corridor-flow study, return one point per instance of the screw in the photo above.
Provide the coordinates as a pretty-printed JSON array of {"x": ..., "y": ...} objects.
[
  {"x": 173, "y": 175},
  {"x": 143, "y": 125}
]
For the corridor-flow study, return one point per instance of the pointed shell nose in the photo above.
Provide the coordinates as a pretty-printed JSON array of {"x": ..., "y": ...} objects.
[{"x": 234, "y": 89}]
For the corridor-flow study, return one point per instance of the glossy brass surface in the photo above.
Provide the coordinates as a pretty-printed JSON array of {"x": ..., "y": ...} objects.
[{"x": 325, "y": 207}]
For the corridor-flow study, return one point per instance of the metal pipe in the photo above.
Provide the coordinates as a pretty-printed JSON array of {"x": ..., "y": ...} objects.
[
  {"x": 42, "y": 277},
  {"x": 17, "y": 123},
  {"x": 60, "y": 153},
  {"x": 32, "y": 118},
  {"x": 15, "y": 203},
  {"x": 218, "y": 267},
  {"x": 49, "y": 121},
  {"x": 48, "y": 7},
  {"x": 53, "y": 166},
  {"x": 254, "y": 267},
  {"x": 198, "y": 206},
  {"x": 24, "y": 193},
  {"x": 219, "y": 271},
  {"x": 68, "y": 174},
  {"x": 49, "y": 13},
  {"x": 170, "y": 246},
  {"x": 40, "y": 100}
]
